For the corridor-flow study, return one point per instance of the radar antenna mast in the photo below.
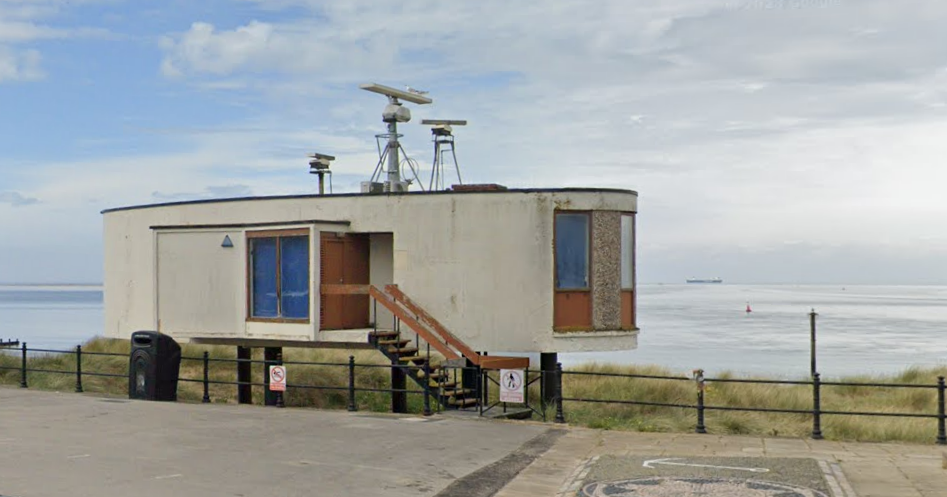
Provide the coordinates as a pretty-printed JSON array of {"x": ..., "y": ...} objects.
[
  {"x": 388, "y": 159},
  {"x": 443, "y": 137}
]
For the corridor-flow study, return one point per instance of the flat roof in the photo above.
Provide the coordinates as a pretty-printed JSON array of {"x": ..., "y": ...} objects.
[
  {"x": 357, "y": 194},
  {"x": 244, "y": 225}
]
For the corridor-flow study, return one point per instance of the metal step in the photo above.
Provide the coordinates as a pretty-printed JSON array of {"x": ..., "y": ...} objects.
[
  {"x": 457, "y": 392},
  {"x": 382, "y": 334},
  {"x": 403, "y": 351},
  {"x": 414, "y": 358},
  {"x": 468, "y": 402}
]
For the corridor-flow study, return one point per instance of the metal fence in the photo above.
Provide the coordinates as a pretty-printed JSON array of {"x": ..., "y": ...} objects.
[
  {"x": 816, "y": 412},
  {"x": 486, "y": 401}
]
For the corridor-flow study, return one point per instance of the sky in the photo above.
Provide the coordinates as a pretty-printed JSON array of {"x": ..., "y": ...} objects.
[{"x": 770, "y": 141}]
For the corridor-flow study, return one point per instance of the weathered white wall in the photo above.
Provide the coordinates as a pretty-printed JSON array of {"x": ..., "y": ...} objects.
[
  {"x": 482, "y": 263},
  {"x": 201, "y": 285},
  {"x": 381, "y": 271}
]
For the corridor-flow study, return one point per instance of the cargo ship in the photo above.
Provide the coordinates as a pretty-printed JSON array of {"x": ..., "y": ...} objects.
[{"x": 704, "y": 280}]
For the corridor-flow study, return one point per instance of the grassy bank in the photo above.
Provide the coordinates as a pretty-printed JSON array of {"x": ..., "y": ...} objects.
[{"x": 596, "y": 415}]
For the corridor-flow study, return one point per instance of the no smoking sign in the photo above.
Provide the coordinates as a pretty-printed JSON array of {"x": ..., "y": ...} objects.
[{"x": 278, "y": 378}]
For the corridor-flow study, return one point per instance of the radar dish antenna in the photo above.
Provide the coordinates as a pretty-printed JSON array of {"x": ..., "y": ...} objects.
[
  {"x": 319, "y": 165},
  {"x": 388, "y": 161},
  {"x": 442, "y": 134}
]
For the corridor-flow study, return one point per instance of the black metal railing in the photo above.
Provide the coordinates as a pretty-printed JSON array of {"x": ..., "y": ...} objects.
[
  {"x": 815, "y": 411},
  {"x": 351, "y": 387},
  {"x": 558, "y": 398}
]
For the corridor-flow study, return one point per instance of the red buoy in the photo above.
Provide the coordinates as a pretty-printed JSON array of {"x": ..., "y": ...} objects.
[{"x": 748, "y": 310}]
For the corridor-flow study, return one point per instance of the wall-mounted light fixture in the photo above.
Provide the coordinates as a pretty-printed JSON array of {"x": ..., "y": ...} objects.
[{"x": 227, "y": 243}]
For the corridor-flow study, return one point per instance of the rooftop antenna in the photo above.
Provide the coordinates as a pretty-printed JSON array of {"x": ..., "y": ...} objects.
[
  {"x": 443, "y": 136},
  {"x": 388, "y": 158},
  {"x": 319, "y": 164}
]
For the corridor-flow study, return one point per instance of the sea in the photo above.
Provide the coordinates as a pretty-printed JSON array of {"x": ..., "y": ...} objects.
[{"x": 859, "y": 329}]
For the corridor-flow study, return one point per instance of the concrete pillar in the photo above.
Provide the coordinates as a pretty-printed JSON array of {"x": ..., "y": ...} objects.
[
  {"x": 399, "y": 400},
  {"x": 270, "y": 355},
  {"x": 470, "y": 376},
  {"x": 547, "y": 363},
  {"x": 244, "y": 392}
]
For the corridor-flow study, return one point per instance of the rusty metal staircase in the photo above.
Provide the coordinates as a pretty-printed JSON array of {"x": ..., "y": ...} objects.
[{"x": 442, "y": 379}]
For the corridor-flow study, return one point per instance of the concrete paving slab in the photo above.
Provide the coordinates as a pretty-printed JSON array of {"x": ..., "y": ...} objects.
[
  {"x": 67, "y": 444},
  {"x": 723, "y": 476},
  {"x": 847, "y": 469}
]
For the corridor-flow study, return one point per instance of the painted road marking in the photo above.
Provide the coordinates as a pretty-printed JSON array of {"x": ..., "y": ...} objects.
[
  {"x": 80, "y": 456},
  {"x": 657, "y": 486},
  {"x": 176, "y": 475},
  {"x": 649, "y": 464}
]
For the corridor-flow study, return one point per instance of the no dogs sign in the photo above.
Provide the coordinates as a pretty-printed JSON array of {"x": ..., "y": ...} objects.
[
  {"x": 511, "y": 386},
  {"x": 278, "y": 378}
]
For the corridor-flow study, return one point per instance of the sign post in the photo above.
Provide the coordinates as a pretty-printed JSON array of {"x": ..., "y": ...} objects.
[
  {"x": 512, "y": 383},
  {"x": 277, "y": 378}
]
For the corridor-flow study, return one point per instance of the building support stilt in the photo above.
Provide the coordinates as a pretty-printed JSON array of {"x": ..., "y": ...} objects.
[
  {"x": 244, "y": 390},
  {"x": 270, "y": 357},
  {"x": 547, "y": 363},
  {"x": 399, "y": 400}
]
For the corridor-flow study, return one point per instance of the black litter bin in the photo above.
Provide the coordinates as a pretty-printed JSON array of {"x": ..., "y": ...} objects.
[{"x": 153, "y": 367}]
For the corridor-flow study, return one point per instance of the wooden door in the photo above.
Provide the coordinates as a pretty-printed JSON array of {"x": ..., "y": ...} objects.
[
  {"x": 331, "y": 264},
  {"x": 355, "y": 261},
  {"x": 344, "y": 261}
]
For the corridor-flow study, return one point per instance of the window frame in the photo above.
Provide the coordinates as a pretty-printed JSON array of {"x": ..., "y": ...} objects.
[
  {"x": 588, "y": 255},
  {"x": 632, "y": 310},
  {"x": 277, "y": 234},
  {"x": 568, "y": 293},
  {"x": 632, "y": 254}
]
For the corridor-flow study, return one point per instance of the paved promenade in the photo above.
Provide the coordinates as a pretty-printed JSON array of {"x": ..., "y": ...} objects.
[
  {"x": 67, "y": 444},
  {"x": 583, "y": 462}
]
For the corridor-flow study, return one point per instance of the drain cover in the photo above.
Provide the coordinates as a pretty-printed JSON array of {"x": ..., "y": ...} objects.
[{"x": 688, "y": 487}]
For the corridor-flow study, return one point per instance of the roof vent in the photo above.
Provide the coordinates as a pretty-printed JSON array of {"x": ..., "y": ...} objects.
[{"x": 479, "y": 187}]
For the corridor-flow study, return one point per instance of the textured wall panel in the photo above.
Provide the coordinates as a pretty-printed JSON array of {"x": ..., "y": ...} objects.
[{"x": 606, "y": 270}]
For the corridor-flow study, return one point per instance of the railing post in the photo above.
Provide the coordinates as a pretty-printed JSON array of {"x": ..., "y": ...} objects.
[
  {"x": 816, "y": 407},
  {"x": 560, "y": 418},
  {"x": 352, "y": 406},
  {"x": 941, "y": 431},
  {"x": 699, "y": 376},
  {"x": 23, "y": 368},
  {"x": 279, "y": 394},
  {"x": 78, "y": 368},
  {"x": 427, "y": 388},
  {"x": 206, "y": 398}
]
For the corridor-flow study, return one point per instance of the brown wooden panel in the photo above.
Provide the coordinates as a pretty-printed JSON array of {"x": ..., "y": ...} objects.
[
  {"x": 572, "y": 310},
  {"x": 356, "y": 272},
  {"x": 501, "y": 362},
  {"x": 344, "y": 265},
  {"x": 344, "y": 289},
  {"x": 628, "y": 309},
  {"x": 331, "y": 263}
]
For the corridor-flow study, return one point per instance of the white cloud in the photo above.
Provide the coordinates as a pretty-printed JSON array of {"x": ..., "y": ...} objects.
[
  {"x": 16, "y": 199},
  {"x": 20, "y": 24},
  {"x": 742, "y": 128},
  {"x": 19, "y": 65}
]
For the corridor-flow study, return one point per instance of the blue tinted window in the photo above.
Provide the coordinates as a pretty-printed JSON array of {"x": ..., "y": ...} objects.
[
  {"x": 572, "y": 251},
  {"x": 294, "y": 277},
  {"x": 263, "y": 261}
]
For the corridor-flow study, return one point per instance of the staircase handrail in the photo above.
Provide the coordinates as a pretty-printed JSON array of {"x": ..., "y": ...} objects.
[
  {"x": 389, "y": 302},
  {"x": 445, "y": 334}
]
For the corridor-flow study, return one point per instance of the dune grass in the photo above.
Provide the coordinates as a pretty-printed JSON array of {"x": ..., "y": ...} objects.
[{"x": 595, "y": 415}]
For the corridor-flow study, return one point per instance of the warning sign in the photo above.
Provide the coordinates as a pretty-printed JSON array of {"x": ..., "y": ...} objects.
[
  {"x": 278, "y": 378},
  {"x": 512, "y": 385}
]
